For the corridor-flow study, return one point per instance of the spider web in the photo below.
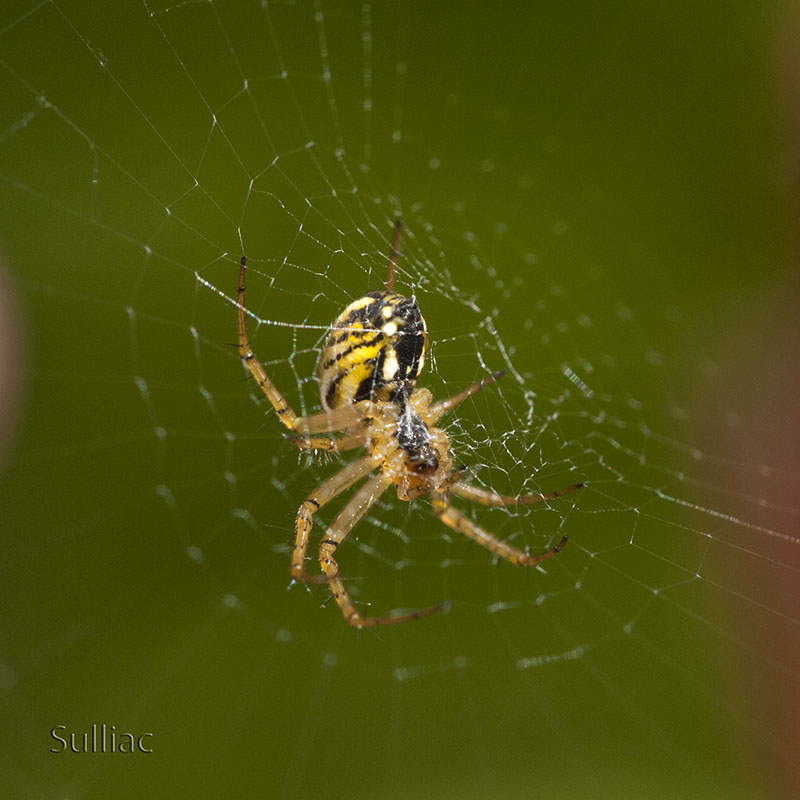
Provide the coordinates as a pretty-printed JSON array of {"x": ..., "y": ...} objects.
[{"x": 150, "y": 496}]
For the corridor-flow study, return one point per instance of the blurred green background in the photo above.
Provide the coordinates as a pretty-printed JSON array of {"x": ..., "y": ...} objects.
[{"x": 610, "y": 187}]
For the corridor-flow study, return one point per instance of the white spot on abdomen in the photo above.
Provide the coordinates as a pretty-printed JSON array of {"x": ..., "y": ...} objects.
[{"x": 390, "y": 366}]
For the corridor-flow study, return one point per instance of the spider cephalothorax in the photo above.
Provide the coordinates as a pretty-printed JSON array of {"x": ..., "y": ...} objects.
[
  {"x": 404, "y": 445},
  {"x": 368, "y": 369},
  {"x": 415, "y": 440}
]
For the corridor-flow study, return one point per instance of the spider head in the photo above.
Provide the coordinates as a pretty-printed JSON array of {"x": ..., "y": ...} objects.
[
  {"x": 424, "y": 462},
  {"x": 425, "y": 455}
]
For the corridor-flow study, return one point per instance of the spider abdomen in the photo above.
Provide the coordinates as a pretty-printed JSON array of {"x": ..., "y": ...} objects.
[{"x": 375, "y": 348}]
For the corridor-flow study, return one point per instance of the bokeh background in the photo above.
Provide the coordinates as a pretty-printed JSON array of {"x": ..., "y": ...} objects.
[{"x": 607, "y": 187}]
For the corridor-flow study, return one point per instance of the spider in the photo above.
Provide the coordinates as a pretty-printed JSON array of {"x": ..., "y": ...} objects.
[{"x": 368, "y": 369}]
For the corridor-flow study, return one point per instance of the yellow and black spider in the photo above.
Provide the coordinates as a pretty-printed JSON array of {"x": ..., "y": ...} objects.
[{"x": 368, "y": 370}]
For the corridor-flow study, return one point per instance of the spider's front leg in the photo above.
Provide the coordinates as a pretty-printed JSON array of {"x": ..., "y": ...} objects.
[
  {"x": 326, "y": 491},
  {"x": 494, "y": 500},
  {"x": 461, "y": 523},
  {"x": 338, "y": 530}
]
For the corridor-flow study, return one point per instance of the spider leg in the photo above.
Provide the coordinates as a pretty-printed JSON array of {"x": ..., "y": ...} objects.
[
  {"x": 462, "y": 524},
  {"x": 338, "y": 419},
  {"x": 338, "y": 530},
  {"x": 438, "y": 410},
  {"x": 452, "y": 479},
  {"x": 326, "y": 491},
  {"x": 322, "y": 443},
  {"x": 487, "y": 498},
  {"x": 398, "y": 227},
  {"x": 285, "y": 414},
  {"x": 335, "y": 420}
]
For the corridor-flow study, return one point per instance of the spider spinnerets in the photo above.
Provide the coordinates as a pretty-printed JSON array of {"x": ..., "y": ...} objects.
[{"x": 368, "y": 370}]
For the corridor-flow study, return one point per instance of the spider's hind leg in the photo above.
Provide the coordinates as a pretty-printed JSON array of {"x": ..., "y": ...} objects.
[
  {"x": 390, "y": 272},
  {"x": 442, "y": 407},
  {"x": 324, "y": 443}
]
